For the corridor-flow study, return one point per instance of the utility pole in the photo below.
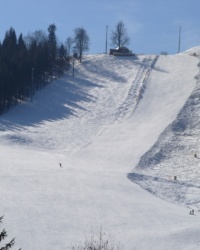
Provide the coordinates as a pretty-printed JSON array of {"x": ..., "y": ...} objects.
[
  {"x": 106, "y": 38},
  {"x": 32, "y": 84},
  {"x": 73, "y": 62},
  {"x": 179, "y": 40}
]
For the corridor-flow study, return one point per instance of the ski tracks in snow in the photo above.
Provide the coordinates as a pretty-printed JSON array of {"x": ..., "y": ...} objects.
[
  {"x": 136, "y": 90},
  {"x": 114, "y": 85},
  {"x": 104, "y": 91},
  {"x": 172, "y": 155}
]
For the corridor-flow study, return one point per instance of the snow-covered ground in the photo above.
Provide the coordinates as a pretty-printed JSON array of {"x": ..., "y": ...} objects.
[{"x": 118, "y": 122}]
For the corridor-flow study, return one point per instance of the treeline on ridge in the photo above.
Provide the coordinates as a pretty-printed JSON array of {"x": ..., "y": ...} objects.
[{"x": 27, "y": 64}]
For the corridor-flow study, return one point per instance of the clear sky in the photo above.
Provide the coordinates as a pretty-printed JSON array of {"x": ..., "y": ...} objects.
[{"x": 152, "y": 25}]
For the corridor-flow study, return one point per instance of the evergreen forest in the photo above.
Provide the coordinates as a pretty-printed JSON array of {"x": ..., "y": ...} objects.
[{"x": 28, "y": 63}]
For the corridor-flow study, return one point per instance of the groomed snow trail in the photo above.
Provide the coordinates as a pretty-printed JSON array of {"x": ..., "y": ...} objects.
[
  {"x": 172, "y": 156},
  {"x": 78, "y": 125},
  {"x": 104, "y": 90}
]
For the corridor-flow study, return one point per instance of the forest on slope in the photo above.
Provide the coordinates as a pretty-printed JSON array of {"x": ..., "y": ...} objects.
[{"x": 27, "y": 64}]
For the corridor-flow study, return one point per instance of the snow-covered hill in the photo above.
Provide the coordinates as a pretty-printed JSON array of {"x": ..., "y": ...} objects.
[
  {"x": 121, "y": 117},
  {"x": 173, "y": 155},
  {"x": 105, "y": 90}
]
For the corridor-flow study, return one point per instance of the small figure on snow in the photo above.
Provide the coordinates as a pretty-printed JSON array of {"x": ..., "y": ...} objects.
[
  {"x": 195, "y": 155},
  {"x": 192, "y": 212},
  {"x": 60, "y": 165}
]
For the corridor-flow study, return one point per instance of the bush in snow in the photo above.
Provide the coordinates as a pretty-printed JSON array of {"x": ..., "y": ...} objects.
[{"x": 98, "y": 241}]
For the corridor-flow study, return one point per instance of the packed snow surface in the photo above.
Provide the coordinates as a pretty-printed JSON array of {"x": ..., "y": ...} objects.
[{"x": 121, "y": 123}]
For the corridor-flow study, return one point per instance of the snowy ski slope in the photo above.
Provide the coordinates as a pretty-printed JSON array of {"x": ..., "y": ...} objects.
[
  {"x": 105, "y": 124},
  {"x": 173, "y": 156}
]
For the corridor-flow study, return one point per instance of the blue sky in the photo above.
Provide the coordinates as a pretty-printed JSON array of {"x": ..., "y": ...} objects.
[{"x": 152, "y": 25}]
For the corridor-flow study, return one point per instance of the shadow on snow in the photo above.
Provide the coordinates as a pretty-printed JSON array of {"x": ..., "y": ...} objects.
[{"x": 61, "y": 99}]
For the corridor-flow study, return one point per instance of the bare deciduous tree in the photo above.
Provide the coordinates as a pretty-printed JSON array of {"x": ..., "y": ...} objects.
[
  {"x": 119, "y": 36},
  {"x": 98, "y": 241},
  {"x": 69, "y": 42},
  {"x": 39, "y": 37},
  {"x": 81, "y": 40}
]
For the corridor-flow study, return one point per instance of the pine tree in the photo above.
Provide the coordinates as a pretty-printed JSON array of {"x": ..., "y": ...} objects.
[
  {"x": 3, "y": 235},
  {"x": 52, "y": 44},
  {"x": 62, "y": 59}
]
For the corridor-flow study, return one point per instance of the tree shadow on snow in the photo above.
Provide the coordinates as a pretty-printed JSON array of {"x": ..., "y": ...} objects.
[
  {"x": 61, "y": 99},
  {"x": 105, "y": 70}
]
